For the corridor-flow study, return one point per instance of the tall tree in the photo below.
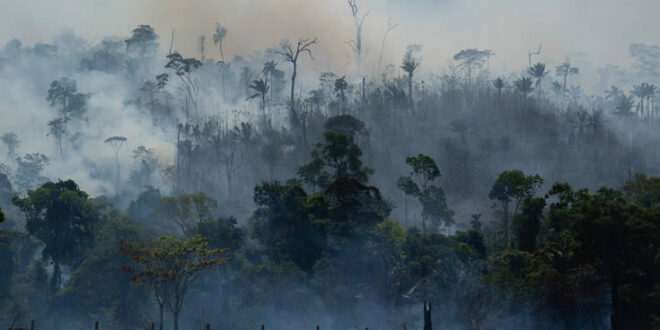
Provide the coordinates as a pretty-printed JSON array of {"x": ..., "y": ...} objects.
[
  {"x": 219, "y": 36},
  {"x": 143, "y": 41},
  {"x": 409, "y": 65},
  {"x": 291, "y": 53},
  {"x": 513, "y": 187},
  {"x": 63, "y": 217},
  {"x": 358, "y": 20},
  {"x": 423, "y": 183},
  {"x": 337, "y": 157},
  {"x": 538, "y": 72},
  {"x": 472, "y": 59},
  {"x": 184, "y": 68},
  {"x": 260, "y": 88},
  {"x": 565, "y": 70}
]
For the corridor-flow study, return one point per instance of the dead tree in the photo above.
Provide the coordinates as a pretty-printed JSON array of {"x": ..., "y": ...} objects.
[
  {"x": 531, "y": 54},
  {"x": 358, "y": 19},
  {"x": 390, "y": 27},
  {"x": 291, "y": 53},
  {"x": 116, "y": 142}
]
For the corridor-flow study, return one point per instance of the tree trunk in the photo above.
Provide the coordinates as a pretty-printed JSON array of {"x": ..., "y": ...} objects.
[
  {"x": 293, "y": 89},
  {"x": 507, "y": 232},
  {"x": 175, "y": 319},
  {"x": 615, "y": 318},
  {"x": 410, "y": 90},
  {"x": 161, "y": 316}
]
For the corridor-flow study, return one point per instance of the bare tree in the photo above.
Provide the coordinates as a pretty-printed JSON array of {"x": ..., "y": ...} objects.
[
  {"x": 391, "y": 26},
  {"x": 219, "y": 38},
  {"x": 116, "y": 142},
  {"x": 291, "y": 53},
  {"x": 531, "y": 54},
  {"x": 358, "y": 19}
]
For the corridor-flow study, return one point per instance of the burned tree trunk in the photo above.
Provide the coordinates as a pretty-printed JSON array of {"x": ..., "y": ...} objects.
[{"x": 428, "y": 325}]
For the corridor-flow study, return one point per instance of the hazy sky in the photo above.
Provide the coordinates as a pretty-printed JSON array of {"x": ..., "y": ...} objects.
[{"x": 601, "y": 29}]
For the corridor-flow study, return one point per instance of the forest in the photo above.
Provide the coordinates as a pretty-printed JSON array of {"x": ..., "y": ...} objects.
[{"x": 145, "y": 188}]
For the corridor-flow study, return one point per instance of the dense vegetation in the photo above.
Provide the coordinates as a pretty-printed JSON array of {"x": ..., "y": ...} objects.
[{"x": 248, "y": 201}]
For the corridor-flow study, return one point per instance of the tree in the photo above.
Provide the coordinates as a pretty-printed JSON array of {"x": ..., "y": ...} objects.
[
  {"x": 188, "y": 211},
  {"x": 64, "y": 96},
  {"x": 283, "y": 223},
  {"x": 184, "y": 67},
  {"x": 143, "y": 41},
  {"x": 170, "y": 266},
  {"x": 10, "y": 140},
  {"x": 513, "y": 187},
  {"x": 341, "y": 85},
  {"x": 219, "y": 38},
  {"x": 337, "y": 157},
  {"x": 471, "y": 59},
  {"x": 358, "y": 19},
  {"x": 423, "y": 184},
  {"x": 409, "y": 66},
  {"x": 261, "y": 88},
  {"x": 116, "y": 142},
  {"x": 57, "y": 129},
  {"x": 499, "y": 85},
  {"x": 63, "y": 217},
  {"x": 524, "y": 86},
  {"x": 538, "y": 72},
  {"x": 528, "y": 223},
  {"x": 291, "y": 53},
  {"x": 565, "y": 70},
  {"x": 2, "y": 216}
]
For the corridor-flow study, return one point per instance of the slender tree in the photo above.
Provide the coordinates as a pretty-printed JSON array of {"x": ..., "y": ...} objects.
[{"x": 291, "y": 53}]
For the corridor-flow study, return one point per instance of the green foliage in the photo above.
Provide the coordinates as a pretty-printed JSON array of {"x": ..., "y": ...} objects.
[
  {"x": 422, "y": 183},
  {"x": 284, "y": 225},
  {"x": 170, "y": 265},
  {"x": 63, "y": 218},
  {"x": 338, "y": 157},
  {"x": 528, "y": 223}
]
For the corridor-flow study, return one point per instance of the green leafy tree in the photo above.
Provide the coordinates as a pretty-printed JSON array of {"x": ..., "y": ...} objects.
[
  {"x": 423, "y": 184},
  {"x": 528, "y": 223},
  {"x": 62, "y": 217},
  {"x": 284, "y": 224},
  {"x": 513, "y": 187},
  {"x": 170, "y": 266},
  {"x": 337, "y": 157}
]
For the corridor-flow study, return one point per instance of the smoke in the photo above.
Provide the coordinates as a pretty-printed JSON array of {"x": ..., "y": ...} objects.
[{"x": 599, "y": 29}]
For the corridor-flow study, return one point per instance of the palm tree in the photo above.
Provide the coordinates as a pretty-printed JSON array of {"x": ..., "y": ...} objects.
[
  {"x": 409, "y": 66},
  {"x": 524, "y": 86},
  {"x": 219, "y": 38},
  {"x": 538, "y": 72},
  {"x": 564, "y": 70},
  {"x": 499, "y": 85},
  {"x": 260, "y": 87}
]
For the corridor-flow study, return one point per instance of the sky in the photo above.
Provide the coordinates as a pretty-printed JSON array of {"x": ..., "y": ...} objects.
[{"x": 598, "y": 30}]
